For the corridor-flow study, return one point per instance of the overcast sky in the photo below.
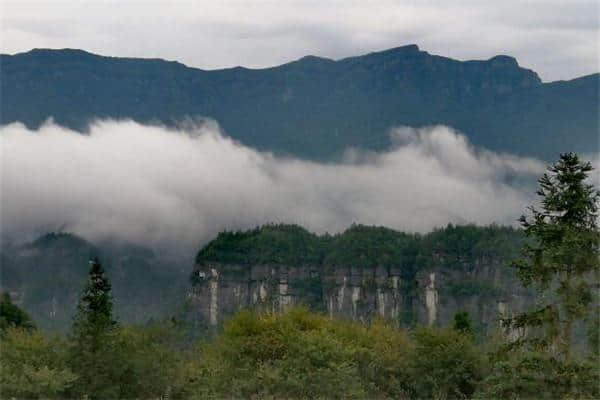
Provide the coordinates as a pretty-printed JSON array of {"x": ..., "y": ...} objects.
[{"x": 557, "y": 38}]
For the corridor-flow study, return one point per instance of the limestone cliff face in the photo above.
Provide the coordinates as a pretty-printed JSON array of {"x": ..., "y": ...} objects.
[
  {"x": 361, "y": 274},
  {"x": 486, "y": 289},
  {"x": 357, "y": 293}
]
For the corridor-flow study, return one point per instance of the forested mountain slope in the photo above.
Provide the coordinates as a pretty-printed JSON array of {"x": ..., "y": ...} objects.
[
  {"x": 47, "y": 275},
  {"x": 313, "y": 107}
]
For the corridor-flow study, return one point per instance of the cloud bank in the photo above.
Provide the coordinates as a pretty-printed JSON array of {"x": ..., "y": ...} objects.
[{"x": 178, "y": 188}]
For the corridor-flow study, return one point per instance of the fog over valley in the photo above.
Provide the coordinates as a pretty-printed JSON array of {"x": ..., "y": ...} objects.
[{"x": 176, "y": 189}]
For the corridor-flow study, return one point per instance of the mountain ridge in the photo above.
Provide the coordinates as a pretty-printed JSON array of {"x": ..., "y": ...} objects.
[
  {"x": 403, "y": 50},
  {"x": 313, "y": 107}
]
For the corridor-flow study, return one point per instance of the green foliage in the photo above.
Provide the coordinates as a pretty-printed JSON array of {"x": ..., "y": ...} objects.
[
  {"x": 460, "y": 245},
  {"x": 563, "y": 262},
  {"x": 537, "y": 375},
  {"x": 593, "y": 333},
  {"x": 297, "y": 355},
  {"x": 370, "y": 247},
  {"x": 463, "y": 323},
  {"x": 150, "y": 357},
  {"x": 94, "y": 318},
  {"x": 144, "y": 362},
  {"x": 269, "y": 244},
  {"x": 363, "y": 247},
  {"x": 470, "y": 287},
  {"x": 32, "y": 366},
  {"x": 94, "y": 353},
  {"x": 303, "y": 355},
  {"x": 48, "y": 274},
  {"x": 12, "y": 316},
  {"x": 445, "y": 364},
  {"x": 52, "y": 264},
  {"x": 310, "y": 290}
]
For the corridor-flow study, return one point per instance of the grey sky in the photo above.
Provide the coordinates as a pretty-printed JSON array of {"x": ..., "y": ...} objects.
[{"x": 558, "y": 39}]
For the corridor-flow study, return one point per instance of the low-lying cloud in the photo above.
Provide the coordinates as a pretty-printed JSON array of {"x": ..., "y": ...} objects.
[{"x": 164, "y": 188}]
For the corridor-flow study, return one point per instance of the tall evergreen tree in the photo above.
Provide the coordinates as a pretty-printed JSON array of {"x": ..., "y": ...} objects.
[
  {"x": 94, "y": 318},
  {"x": 94, "y": 354},
  {"x": 562, "y": 261}
]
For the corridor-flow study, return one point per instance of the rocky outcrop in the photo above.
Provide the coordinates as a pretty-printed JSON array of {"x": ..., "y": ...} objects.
[
  {"x": 361, "y": 274},
  {"x": 486, "y": 289}
]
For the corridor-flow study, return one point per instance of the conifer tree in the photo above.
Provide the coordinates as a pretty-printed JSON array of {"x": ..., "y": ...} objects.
[
  {"x": 94, "y": 317},
  {"x": 94, "y": 354},
  {"x": 562, "y": 261}
]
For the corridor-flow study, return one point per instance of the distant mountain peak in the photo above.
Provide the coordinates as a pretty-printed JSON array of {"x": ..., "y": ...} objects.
[
  {"x": 315, "y": 59},
  {"x": 503, "y": 60},
  {"x": 60, "y": 52},
  {"x": 401, "y": 51},
  {"x": 59, "y": 239},
  {"x": 407, "y": 49}
]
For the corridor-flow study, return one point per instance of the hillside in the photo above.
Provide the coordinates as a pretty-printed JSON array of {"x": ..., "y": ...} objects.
[
  {"x": 47, "y": 275},
  {"x": 313, "y": 107}
]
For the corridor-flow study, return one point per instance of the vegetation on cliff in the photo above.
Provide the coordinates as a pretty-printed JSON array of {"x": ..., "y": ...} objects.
[
  {"x": 364, "y": 246},
  {"x": 269, "y": 244}
]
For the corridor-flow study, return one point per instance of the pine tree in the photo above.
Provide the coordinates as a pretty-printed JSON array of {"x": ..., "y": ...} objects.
[
  {"x": 94, "y": 317},
  {"x": 94, "y": 354},
  {"x": 562, "y": 261}
]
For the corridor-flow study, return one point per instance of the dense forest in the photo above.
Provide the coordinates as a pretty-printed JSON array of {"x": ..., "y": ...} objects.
[
  {"x": 295, "y": 355},
  {"x": 361, "y": 245}
]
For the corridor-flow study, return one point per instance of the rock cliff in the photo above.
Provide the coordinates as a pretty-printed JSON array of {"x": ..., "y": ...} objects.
[{"x": 454, "y": 269}]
